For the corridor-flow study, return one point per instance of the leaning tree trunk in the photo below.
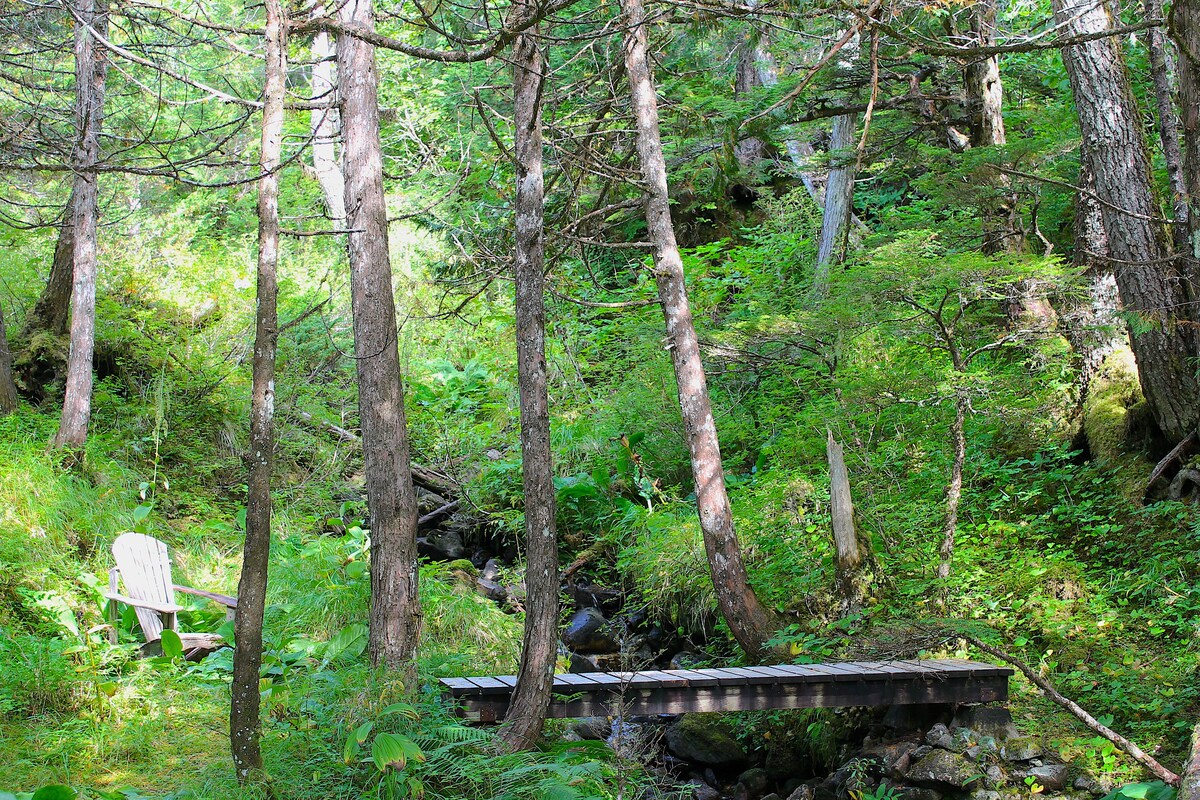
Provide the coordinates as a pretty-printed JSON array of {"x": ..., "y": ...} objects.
[
  {"x": 395, "y": 617},
  {"x": 535, "y": 679},
  {"x": 1117, "y": 157},
  {"x": 252, "y": 587},
  {"x": 323, "y": 125},
  {"x": 8, "y": 389},
  {"x": 90, "y": 76},
  {"x": 747, "y": 618},
  {"x": 52, "y": 310}
]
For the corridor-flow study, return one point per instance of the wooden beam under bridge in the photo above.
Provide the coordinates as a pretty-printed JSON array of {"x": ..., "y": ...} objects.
[{"x": 675, "y": 691}]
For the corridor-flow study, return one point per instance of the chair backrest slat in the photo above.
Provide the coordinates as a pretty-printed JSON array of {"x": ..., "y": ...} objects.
[{"x": 146, "y": 572}]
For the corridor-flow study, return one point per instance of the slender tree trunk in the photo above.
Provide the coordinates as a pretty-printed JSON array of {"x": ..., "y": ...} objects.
[
  {"x": 52, "y": 310},
  {"x": 527, "y": 710},
  {"x": 90, "y": 75},
  {"x": 1185, "y": 30},
  {"x": 1168, "y": 124},
  {"x": 8, "y": 389},
  {"x": 1119, "y": 162},
  {"x": 748, "y": 619},
  {"x": 252, "y": 587},
  {"x": 839, "y": 200},
  {"x": 850, "y": 555},
  {"x": 395, "y": 618},
  {"x": 1189, "y": 785},
  {"x": 958, "y": 441},
  {"x": 324, "y": 124}
]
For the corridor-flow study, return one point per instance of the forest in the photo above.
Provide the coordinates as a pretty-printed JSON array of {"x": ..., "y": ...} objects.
[{"x": 350, "y": 347}]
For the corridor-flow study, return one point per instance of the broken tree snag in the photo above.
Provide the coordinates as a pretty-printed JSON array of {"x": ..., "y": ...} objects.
[{"x": 852, "y": 556}]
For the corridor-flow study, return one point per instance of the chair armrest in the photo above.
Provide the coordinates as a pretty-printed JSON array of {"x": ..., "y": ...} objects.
[
  {"x": 153, "y": 605},
  {"x": 223, "y": 599}
]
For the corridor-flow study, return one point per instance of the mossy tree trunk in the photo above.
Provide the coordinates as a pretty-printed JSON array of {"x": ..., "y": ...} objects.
[{"x": 8, "y": 389}]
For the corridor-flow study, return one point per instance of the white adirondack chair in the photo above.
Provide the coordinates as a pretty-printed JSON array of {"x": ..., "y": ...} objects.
[{"x": 145, "y": 568}]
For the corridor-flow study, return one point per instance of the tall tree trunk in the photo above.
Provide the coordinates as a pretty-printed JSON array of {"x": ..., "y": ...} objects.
[
  {"x": 849, "y": 550},
  {"x": 1168, "y": 124},
  {"x": 8, "y": 389},
  {"x": 1116, "y": 154},
  {"x": 52, "y": 310},
  {"x": 1185, "y": 30},
  {"x": 535, "y": 679},
  {"x": 90, "y": 75},
  {"x": 252, "y": 587},
  {"x": 1189, "y": 785},
  {"x": 958, "y": 442},
  {"x": 839, "y": 200},
  {"x": 395, "y": 618},
  {"x": 747, "y": 618},
  {"x": 324, "y": 124}
]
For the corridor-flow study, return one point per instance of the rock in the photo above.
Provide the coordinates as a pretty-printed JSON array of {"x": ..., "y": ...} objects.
[
  {"x": 961, "y": 739},
  {"x": 702, "y": 791},
  {"x": 1022, "y": 748},
  {"x": 428, "y": 501},
  {"x": 755, "y": 780},
  {"x": 993, "y": 776},
  {"x": 771, "y": 796},
  {"x": 582, "y": 664},
  {"x": 1086, "y": 783},
  {"x": 704, "y": 739},
  {"x": 589, "y": 632},
  {"x": 985, "y": 794},
  {"x": 917, "y": 793},
  {"x": 593, "y": 729},
  {"x": 685, "y": 659},
  {"x": 942, "y": 769},
  {"x": 785, "y": 761},
  {"x": 893, "y": 758},
  {"x": 906, "y": 719},
  {"x": 490, "y": 570},
  {"x": 1051, "y": 776},
  {"x": 801, "y": 792},
  {"x": 490, "y": 589},
  {"x": 628, "y": 739},
  {"x": 994, "y": 721},
  {"x": 920, "y": 752},
  {"x": 441, "y": 545},
  {"x": 588, "y": 595},
  {"x": 936, "y": 734}
]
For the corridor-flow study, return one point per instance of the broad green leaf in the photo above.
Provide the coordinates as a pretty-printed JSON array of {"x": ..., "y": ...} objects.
[
  {"x": 172, "y": 645},
  {"x": 55, "y": 792},
  {"x": 403, "y": 709},
  {"x": 390, "y": 750},
  {"x": 140, "y": 513}
]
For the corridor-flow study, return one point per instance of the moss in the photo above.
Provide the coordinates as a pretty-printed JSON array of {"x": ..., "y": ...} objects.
[{"x": 1111, "y": 413}]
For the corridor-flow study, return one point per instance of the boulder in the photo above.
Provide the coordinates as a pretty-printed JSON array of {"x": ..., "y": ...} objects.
[
  {"x": 582, "y": 664},
  {"x": 589, "y": 632},
  {"x": 704, "y": 739},
  {"x": 894, "y": 757},
  {"x": 938, "y": 736},
  {"x": 593, "y": 729},
  {"x": 944, "y": 770},
  {"x": 994, "y": 721},
  {"x": 1022, "y": 748},
  {"x": 801, "y": 792},
  {"x": 1086, "y": 783},
  {"x": 961, "y": 739},
  {"x": 1051, "y": 776},
  {"x": 702, "y": 791},
  {"x": 440, "y": 545},
  {"x": 685, "y": 659},
  {"x": 755, "y": 780},
  {"x": 490, "y": 589}
]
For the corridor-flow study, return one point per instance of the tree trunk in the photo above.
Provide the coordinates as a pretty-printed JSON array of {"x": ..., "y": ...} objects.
[
  {"x": 535, "y": 679},
  {"x": 8, "y": 389},
  {"x": 323, "y": 125},
  {"x": 1168, "y": 124},
  {"x": 52, "y": 310},
  {"x": 839, "y": 200},
  {"x": 850, "y": 556},
  {"x": 747, "y": 618},
  {"x": 954, "y": 490},
  {"x": 90, "y": 75},
  {"x": 252, "y": 587},
  {"x": 1189, "y": 785},
  {"x": 1185, "y": 30},
  {"x": 395, "y": 617},
  {"x": 1117, "y": 157}
]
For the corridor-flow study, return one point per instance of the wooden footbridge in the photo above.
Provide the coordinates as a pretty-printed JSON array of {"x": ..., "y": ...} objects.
[{"x": 674, "y": 691}]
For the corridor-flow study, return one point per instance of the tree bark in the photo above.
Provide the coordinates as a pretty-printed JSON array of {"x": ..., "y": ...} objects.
[
  {"x": 323, "y": 125},
  {"x": 52, "y": 310},
  {"x": 8, "y": 389},
  {"x": 535, "y": 679},
  {"x": 1168, "y": 124},
  {"x": 1117, "y": 157},
  {"x": 252, "y": 587},
  {"x": 748, "y": 619},
  {"x": 1189, "y": 784},
  {"x": 954, "y": 490},
  {"x": 90, "y": 74},
  {"x": 395, "y": 617},
  {"x": 1185, "y": 30}
]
